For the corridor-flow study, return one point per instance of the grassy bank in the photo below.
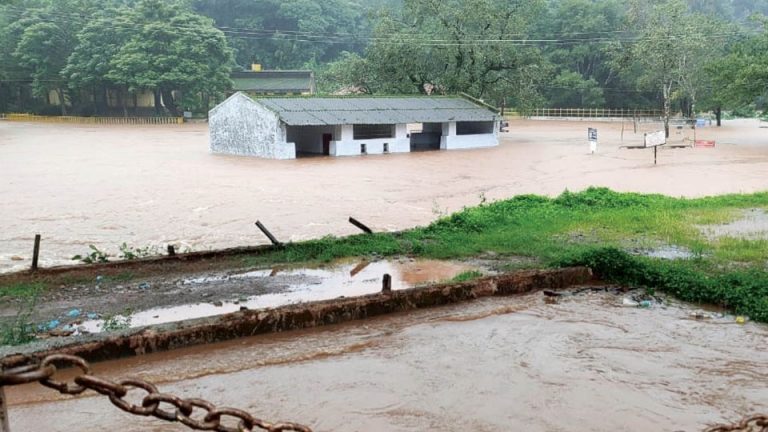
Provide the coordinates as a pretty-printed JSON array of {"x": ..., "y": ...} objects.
[
  {"x": 607, "y": 230},
  {"x": 597, "y": 227}
]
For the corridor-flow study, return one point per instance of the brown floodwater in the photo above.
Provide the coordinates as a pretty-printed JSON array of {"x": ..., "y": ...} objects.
[
  {"x": 154, "y": 185},
  {"x": 497, "y": 364}
]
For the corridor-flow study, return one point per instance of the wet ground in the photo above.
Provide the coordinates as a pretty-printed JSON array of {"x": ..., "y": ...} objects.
[
  {"x": 497, "y": 364},
  {"x": 83, "y": 307},
  {"x": 151, "y": 186}
]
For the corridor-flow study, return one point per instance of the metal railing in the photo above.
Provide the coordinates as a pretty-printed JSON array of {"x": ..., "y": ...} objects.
[
  {"x": 595, "y": 113},
  {"x": 95, "y": 120}
]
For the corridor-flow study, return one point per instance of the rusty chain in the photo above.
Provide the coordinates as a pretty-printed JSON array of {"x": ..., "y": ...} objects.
[
  {"x": 197, "y": 414},
  {"x": 756, "y": 423}
]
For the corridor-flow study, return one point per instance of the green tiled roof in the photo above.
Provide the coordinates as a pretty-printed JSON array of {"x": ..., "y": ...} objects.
[{"x": 274, "y": 81}]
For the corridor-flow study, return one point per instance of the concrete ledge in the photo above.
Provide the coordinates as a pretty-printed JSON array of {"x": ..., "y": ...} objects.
[{"x": 133, "y": 342}]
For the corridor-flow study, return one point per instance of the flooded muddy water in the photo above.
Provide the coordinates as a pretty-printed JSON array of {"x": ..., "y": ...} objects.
[
  {"x": 153, "y": 186},
  {"x": 346, "y": 278},
  {"x": 498, "y": 364}
]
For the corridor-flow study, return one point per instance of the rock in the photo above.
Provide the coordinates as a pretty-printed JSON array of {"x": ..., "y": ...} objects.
[
  {"x": 243, "y": 308},
  {"x": 62, "y": 332},
  {"x": 17, "y": 258},
  {"x": 218, "y": 303}
]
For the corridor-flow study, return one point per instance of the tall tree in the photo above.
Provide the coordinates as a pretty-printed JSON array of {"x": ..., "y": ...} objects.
[
  {"x": 671, "y": 42},
  {"x": 169, "y": 49}
]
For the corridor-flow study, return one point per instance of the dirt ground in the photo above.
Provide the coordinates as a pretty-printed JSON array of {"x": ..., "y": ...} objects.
[{"x": 150, "y": 186}]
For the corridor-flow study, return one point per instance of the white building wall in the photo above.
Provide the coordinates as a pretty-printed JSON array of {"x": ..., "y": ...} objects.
[
  {"x": 451, "y": 141},
  {"x": 240, "y": 126},
  {"x": 348, "y": 146}
]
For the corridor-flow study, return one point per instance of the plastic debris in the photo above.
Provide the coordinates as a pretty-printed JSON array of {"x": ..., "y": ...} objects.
[
  {"x": 53, "y": 324},
  {"x": 99, "y": 278},
  {"x": 92, "y": 315},
  {"x": 699, "y": 315},
  {"x": 144, "y": 285},
  {"x": 646, "y": 304},
  {"x": 74, "y": 313},
  {"x": 629, "y": 303},
  {"x": 741, "y": 320}
]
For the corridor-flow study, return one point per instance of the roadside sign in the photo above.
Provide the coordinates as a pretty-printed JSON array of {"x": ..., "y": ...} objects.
[
  {"x": 655, "y": 139},
  {"x": 592, "y": 134}
]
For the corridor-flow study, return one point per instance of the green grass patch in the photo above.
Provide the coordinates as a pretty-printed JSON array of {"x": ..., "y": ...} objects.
[
  {"x": 467, "y": 276},
  {"x": 559, "y": 230},
  {"x": 22, "y": 289}
]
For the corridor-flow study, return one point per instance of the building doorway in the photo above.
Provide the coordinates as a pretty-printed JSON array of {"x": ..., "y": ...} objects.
[{"x": 327, "y": 138}]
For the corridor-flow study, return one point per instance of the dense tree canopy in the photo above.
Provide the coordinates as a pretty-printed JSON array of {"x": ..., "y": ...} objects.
[{"x": 681, "y": 55}]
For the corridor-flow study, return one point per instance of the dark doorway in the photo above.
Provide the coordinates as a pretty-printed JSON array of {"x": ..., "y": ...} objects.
[{"x": 327, "y": 138}]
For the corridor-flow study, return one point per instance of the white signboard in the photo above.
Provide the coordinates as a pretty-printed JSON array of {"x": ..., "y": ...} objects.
[{"x": 655, "y": 139}]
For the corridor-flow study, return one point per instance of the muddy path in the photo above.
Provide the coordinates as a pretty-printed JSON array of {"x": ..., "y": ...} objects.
[
  {"x": 154, "y": 186},
  {"x": 517, "y": 363},
  {"x": 83, "y": 300}
]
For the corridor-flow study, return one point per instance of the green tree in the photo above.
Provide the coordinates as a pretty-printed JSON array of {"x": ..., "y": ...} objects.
[
  {"x": 741, "y": 77},
  {"x": 671, "y": 44},
  {"x": 171, "y": 49},
  {"x": 43, "y": 46}
]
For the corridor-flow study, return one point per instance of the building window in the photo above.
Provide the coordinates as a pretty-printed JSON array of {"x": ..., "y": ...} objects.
[
  {"x": 373, "y": 131},
  {"x": 386, "y": 147},
  {"x": 363, "y": 149},
  {"x": 474, "y": 128}
]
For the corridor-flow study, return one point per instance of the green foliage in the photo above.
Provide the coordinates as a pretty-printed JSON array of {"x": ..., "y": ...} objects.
[
  {"x": 20, "y": 329},
  {"x": 115, "y": 322},
  {"x": 467, "y": 276},
  {"x": 743, "y": 291},
  {"x": 95, "y": 256},
  {"x": 133, "y": 253}
]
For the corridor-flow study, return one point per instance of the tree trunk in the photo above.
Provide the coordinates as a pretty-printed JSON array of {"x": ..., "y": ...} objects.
[
  {"x": 123, "y": 95},
  {"x": 158, "y": 103},
  {"x": 104, "y": 96},
  {"x": 667, "y": 109},
  {"x": 169, "y": 103},
  {"x": 62, "y": 101},
  {"x": 135, "y": 104},
  {"x": 719, "y": 115}
]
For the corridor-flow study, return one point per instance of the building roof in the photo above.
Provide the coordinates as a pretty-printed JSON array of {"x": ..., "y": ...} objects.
[
  {"x": 274, "y": 81},
  {"x": 318, "y": 111}
]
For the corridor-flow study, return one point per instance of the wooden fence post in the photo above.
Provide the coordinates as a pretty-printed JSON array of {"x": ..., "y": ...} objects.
[{"x": 36, "y": 252}]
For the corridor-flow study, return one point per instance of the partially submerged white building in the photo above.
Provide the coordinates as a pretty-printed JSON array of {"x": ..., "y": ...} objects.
[{"x": 287, "y": 127}]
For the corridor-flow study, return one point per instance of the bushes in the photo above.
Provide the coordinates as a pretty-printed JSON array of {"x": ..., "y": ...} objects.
[{"x": 743, "y": 291}]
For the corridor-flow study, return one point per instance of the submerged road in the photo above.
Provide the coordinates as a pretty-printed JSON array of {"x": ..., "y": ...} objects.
[{"x": 497, "y": 364}]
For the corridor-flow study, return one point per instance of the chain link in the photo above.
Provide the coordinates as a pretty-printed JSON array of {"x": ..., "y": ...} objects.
[
  {"x": 197, "y": 414},
  {"x": 756, "y": 423}
]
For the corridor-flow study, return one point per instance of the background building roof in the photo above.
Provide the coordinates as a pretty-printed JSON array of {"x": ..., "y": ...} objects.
[
  {"x": 274, "y": 81},
  {"x": 318, "y": 111}
]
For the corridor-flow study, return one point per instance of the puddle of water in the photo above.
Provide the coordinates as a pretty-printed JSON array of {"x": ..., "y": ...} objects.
[
  {"x": 669, "y": 252},
  {"x": 343, "y": 279},
  {"x": 753, "y": 225}
]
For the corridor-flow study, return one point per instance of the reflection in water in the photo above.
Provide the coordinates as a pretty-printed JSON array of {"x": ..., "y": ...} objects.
[
  {"x": 495, "y": 364},
  {"x": 345, "y": 279}
]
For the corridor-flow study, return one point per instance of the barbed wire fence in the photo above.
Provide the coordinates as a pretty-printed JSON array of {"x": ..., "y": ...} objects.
[
  {"x": 209, "y": 417},
  {"x": 195, "y": 413}
]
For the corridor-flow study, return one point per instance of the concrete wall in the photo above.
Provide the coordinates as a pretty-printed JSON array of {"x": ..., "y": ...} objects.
[
  {"x": 451, "y": 141},
  {"x": 309, "y": 139},
  {"x": 240, "y": 126},
  {"x": 346, "y": 145}
]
